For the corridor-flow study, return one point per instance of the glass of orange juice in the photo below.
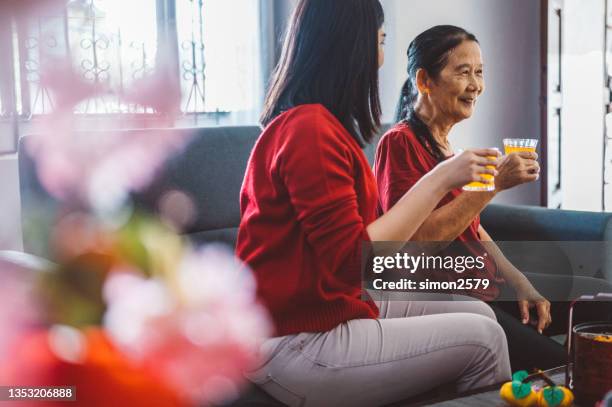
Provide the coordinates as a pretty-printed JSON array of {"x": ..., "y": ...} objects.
[
  {"x": 513, "y": 145},
  {"x": 489, "y": 185}
]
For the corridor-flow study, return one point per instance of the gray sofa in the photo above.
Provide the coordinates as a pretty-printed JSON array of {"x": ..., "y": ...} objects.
[
  {"x": 551, "y": 240},
  {"x": 211, "y": 170}
]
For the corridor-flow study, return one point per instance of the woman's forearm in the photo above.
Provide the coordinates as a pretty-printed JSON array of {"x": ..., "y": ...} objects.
[
  {"x": 445, "y": 224},
  {"x": 513, "y": 276},
  {"x": 407, "y": 215},
  {"x": 401, "y": 222}
]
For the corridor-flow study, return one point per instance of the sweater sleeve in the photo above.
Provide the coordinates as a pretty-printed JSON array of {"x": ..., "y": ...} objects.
[
  {"x": 316, "y": 167},
  {"x": 397, "y": 168}
]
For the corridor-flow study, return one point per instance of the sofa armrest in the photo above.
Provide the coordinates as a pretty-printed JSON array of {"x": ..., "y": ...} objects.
[
  {"x": 514, "y": 222},
  {"x": 24, "y": 261},
  {"x": 552, "y": 241}
]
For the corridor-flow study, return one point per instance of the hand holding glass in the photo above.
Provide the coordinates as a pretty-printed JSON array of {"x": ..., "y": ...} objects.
[{"x": 489, "y": 180}]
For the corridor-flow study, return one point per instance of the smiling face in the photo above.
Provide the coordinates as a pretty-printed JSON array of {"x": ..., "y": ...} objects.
[{"x": 455, "y": 91}]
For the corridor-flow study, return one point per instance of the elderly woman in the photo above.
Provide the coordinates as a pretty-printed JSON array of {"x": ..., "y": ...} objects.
[{"x": 445, "y": 79}]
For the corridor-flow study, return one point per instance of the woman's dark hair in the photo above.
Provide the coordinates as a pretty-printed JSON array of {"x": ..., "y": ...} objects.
[
  {"x": 429, "y": 51},
  {"x": 330, "y": 56}
]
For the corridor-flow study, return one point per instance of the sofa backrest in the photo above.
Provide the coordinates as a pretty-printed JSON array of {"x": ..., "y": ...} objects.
[
  {"x": 532, "y": 223},
  {"x": 210, "y": 170},
  {"x": 552, "y": 241}
]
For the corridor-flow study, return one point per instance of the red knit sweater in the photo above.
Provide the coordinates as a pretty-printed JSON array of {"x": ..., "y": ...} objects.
[{"x": 307, "y": 196}]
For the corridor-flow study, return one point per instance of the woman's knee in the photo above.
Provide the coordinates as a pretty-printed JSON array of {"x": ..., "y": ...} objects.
[
  {"x": 471, "y": 306},
  {"x": 482, "y": 328},
  {"x": 492, "y": 340}
]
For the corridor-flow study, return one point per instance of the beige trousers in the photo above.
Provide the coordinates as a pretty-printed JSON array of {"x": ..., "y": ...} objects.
[{"x": 415, "y": 346}]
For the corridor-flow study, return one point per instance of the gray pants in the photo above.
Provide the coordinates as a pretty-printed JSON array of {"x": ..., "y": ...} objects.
[{"x": 414, "y": 347}]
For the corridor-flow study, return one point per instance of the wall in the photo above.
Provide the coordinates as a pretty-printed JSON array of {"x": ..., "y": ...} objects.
[
  {"x": 509, "y": 35},
  {"x": 582, "y": 106}
]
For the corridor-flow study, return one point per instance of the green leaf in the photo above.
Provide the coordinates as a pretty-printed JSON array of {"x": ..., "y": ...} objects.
[
  {"x": 520, "y": 389},
  {"x": 520, "y": 375},
  {"x": 553, "y": 396}
]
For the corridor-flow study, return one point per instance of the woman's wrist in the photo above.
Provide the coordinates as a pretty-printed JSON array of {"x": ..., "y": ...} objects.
[
  {"x": 499, "y": 185},
  {"x": 439, "y": 182},
  {"x": 523, "y": 285}
]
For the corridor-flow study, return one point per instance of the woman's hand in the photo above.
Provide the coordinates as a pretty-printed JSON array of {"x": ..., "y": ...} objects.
[
  {"x": 529, "y": 297},
  {"x": 516, "y": 169},
  {"x": 467, "y": 166}
]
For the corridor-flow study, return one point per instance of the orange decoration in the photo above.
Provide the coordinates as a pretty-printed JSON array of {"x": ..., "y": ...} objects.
[{"x": 104, "y": 377}]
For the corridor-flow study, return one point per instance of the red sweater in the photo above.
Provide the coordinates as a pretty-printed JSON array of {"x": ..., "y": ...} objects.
[
  {"x": 306, "y": 199},
  {"x": 401, "y": 160}
]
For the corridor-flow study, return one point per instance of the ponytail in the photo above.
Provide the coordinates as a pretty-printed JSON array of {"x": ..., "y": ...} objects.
[
  {"x": 405, "y": 113},
  {"x": 406, "y": 101},
  {"x": 423, "y": 134}
]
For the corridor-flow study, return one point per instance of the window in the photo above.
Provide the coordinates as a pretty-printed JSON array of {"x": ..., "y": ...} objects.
[
  {"x": 212, "y": 48},
  {"x": 231, "y": 54}
]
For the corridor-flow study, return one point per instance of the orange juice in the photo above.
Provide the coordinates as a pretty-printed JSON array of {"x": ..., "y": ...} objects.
[
  {"x": 481, "y": 186},
  {"x": 513, "y": 145},
  {"x": 511, "y": 149}
]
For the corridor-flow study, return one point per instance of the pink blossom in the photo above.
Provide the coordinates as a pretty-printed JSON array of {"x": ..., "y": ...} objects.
[
  {"x": 31, "y": 8},
  {"x": 157, "y": 90},
  {"x": 199, "y": 332},
  {"x": 99, "y": 169},
  {"x": 67, "y": 86},
  {"x": 177, "y": 210}
]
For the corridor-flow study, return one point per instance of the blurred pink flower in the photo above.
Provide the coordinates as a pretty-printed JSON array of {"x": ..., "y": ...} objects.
[
  {"x": 177, "y": 209},
  {"x": 31, "y": 8},
  {"x": 67, "y": 86},
  {"x": 98, "y": 169},
  {"x": 199, "y": 332},
  {"x": 156, "y": 90}
]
